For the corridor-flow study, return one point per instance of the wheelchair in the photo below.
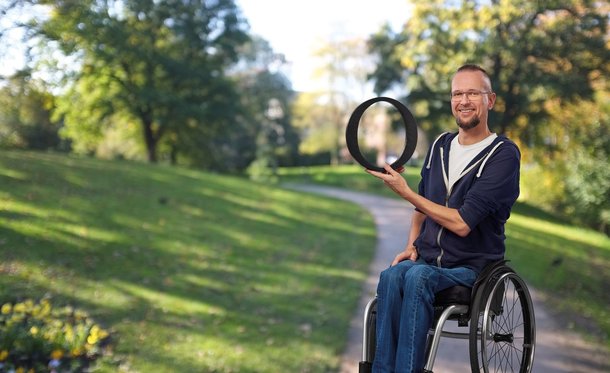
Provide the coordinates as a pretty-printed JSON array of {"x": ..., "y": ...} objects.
[{"x": 498, "y": 312}]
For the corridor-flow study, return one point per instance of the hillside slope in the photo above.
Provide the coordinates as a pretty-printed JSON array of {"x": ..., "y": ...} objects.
[{"x": 193, "y": 272}]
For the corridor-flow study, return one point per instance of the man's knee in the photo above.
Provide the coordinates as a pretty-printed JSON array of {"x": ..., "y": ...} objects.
[
  {"x": 420, "y": 273},
  {"x": 390, "y": 275}
]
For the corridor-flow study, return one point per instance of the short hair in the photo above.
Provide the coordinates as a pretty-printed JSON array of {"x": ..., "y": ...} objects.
[{"x": 473, "y": 67}]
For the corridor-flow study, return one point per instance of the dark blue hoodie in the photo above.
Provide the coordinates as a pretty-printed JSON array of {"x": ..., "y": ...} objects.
[{"x": 483, "y": 196}]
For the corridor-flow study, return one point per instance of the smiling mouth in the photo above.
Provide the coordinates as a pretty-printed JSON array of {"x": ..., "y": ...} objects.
[{"x": 466, "y": 111}]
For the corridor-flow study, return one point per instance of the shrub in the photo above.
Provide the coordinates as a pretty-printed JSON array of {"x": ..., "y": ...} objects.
[{"x": 36, "y": 337}]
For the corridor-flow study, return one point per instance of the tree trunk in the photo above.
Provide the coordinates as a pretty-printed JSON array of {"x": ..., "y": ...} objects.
[{"x": 149, "y": 138}]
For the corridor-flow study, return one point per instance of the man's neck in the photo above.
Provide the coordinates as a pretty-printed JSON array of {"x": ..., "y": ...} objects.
[{"x": 473, "y": 135}]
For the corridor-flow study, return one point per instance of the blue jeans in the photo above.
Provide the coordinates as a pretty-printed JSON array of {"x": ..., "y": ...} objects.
[{"x": 405, "y": 297}]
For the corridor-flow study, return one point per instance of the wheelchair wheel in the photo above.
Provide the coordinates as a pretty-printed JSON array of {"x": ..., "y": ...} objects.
[{"x": 502, "y": 326}]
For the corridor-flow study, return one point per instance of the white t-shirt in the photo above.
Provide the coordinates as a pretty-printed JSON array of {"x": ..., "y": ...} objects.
[{"x": 461, "y": 155}]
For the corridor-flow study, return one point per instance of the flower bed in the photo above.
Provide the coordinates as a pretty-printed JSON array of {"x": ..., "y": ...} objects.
[{"x": 36, "y": 337}]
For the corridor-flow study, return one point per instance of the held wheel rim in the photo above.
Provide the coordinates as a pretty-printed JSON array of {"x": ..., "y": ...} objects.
[{"x": 351, "y": 133}]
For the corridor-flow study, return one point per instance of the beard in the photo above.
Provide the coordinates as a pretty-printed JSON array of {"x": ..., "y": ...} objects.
[{"x": 468, "y": 125}]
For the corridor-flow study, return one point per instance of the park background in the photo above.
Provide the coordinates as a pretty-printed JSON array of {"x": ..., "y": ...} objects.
[{"x": 144, "y": 144}]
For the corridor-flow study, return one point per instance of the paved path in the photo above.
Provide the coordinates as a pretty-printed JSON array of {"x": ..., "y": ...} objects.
[{"x": 557, "y": 350}]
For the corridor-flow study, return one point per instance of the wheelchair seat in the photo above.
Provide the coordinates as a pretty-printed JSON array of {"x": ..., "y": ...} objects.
[
  {"x": 454, "y": 295},
  {"x": 498, "y": 312}
]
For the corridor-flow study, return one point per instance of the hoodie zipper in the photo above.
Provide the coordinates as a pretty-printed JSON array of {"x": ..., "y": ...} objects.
[
  {"x": 440, "y": 231},
  {"x": 450, "y": 187}
]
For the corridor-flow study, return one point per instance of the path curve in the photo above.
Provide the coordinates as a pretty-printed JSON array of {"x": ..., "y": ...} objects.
[{"x": 558, "y": 350}]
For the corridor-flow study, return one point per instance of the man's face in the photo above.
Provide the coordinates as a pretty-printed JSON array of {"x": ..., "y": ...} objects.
[{"x": 470, "y": 111}]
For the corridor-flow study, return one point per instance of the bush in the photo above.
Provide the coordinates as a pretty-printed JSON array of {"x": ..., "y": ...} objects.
[{"x": 35, "y": 337}]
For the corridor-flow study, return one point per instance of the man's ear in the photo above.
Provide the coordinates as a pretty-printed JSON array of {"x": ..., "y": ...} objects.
[{"x": 492, "y": 101}]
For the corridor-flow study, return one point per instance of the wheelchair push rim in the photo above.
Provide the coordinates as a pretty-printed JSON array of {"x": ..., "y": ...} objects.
[{"x": 504, "y": 328}]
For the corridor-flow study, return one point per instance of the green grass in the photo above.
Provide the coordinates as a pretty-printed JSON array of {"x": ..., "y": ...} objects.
[
  {"x": 568, "y": 265},
  {"x": 191, "y": 271},
  {"x": 350, "y": 177}
]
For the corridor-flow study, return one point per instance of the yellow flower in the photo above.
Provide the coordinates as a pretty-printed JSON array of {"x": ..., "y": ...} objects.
[
  {"x": 96, "y": 334},
  {"x": 19, "y": 307},
  {"x": 95, "y": 330},
  {"x": 57, "y": 354},
  {"x": 77, "y": 351},
  {"x": 92, "y": 339},
  {"x": 68, "y": 332},
  {"x": 3, "y": 355},
  {"x": 20, "y": 370},
  {"x": 6, "y": 308},
  {"x": 34, "y": 330},
  {"x": 29, "y": 304}
]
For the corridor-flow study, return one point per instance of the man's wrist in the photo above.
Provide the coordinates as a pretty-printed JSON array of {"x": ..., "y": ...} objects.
[{"x": 408, "y": 194}]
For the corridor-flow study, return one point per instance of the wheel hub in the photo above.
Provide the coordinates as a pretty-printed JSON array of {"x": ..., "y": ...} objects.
[{"x": 508, "y": 338}]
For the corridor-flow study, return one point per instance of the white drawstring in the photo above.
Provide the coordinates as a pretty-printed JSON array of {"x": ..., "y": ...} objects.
[
  {"x": 432, "y": 149},
  {"x": 487, "y": 157}
]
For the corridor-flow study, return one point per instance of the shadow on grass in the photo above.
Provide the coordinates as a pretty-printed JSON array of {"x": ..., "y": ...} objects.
[
  {"x": 573, "y": 270},
  {"x": 182, "y": 265}
]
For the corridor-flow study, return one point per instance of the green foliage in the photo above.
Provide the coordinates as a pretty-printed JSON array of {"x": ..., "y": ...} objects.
[
  {"x": 588, "y": 186},
  {"x": 572, "y": 177},
  {"x": 25, "y": 115},
  {"x": 192, "y": 272},
  {"x": 548, "y": 63},
  {"x": 36, "y": 335},
  {"x": 533, "y": 51},
  {"x": 181, "y": 82},
  {"x": 343, "y": 64},
  {"x": 587, "y": 180},
  {"x": 266, "y": 138},
  {"x": 162, "y": 65}
]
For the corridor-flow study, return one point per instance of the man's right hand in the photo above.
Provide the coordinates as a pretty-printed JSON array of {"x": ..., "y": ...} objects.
[{"x": 410, "y": 253}]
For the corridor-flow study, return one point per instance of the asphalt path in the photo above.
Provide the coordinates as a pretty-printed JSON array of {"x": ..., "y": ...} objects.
[{"x": 558, "y": 349}]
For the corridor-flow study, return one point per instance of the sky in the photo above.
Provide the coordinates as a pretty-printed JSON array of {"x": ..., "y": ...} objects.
[{"x": 293, "y": 27}]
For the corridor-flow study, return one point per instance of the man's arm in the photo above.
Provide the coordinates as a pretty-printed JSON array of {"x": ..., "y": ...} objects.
[
  {"x": 410, "y": 251},
  {"x": 447, "y": 217}
]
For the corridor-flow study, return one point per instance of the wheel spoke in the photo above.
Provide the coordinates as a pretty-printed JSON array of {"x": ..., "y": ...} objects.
[{"x": 504, "y": 333}]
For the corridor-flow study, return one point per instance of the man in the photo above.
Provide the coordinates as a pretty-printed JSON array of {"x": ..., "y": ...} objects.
[{"x": 470, "y": 180}]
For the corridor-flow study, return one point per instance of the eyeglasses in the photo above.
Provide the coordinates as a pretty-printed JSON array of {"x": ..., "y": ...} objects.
[{"x": 472, "y": 95}]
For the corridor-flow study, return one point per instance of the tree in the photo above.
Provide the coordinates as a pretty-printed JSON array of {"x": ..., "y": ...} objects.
[
  {"x": 548, "y": 62},
  {"x": 322, "y": 116},
  {"x": 160, "y": 64},
  {"x": 584, "y": 127},
  {"x": 533, "y": 50},
  {"x": 25, "y": 115},
  {"x": 266, "y": 137}
]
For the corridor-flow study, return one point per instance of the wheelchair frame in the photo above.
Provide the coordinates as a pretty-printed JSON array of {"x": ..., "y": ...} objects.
[{"x": 496, "y": 338}]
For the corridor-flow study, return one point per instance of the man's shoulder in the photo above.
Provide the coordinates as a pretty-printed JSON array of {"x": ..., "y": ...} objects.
[{"x": 507, "y": 145}]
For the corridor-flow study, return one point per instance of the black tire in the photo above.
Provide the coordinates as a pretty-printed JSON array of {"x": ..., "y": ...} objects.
[
  {"x": 502, "y": 326},
  {"x": 371, "y": 330}
]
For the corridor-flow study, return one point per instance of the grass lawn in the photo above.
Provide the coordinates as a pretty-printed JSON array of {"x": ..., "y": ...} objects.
[
  {"x": 349, "y": 177},
  {"x": 191, "y": 271},
  {"x": 568, "y": 265}
]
